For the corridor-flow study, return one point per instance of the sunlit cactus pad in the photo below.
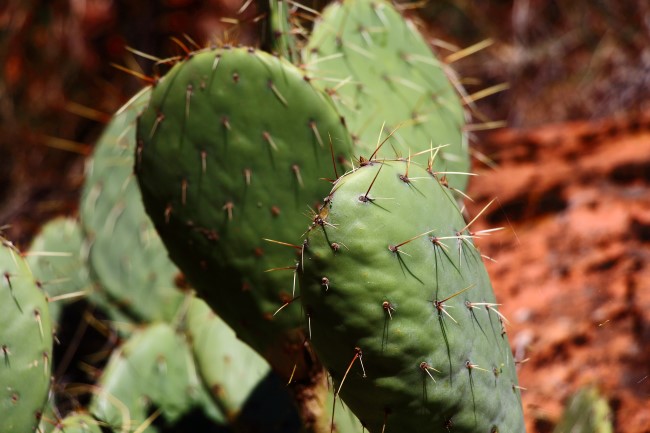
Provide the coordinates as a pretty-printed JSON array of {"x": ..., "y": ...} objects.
[
  {"x": 401, "y": 309},
  {"x": 381, "y": 71}
]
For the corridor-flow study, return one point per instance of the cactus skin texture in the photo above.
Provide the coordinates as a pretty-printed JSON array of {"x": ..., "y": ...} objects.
[
  {"x": 153, "y": 369},
  {"x": 242, "y": 383},
  {"x": 231, "y": 151},
  {"x": 79, "y": 423},
  {"x": 283, "y": 42},
  {"x": 25, "y": 344},
  {"x": 126, "y": 255},
  {"x": 587, "y": 412},
  {"x": 57, "y": 259},
  {"x": 379, "y": 304},
  {"x": 379, "y": 69}
]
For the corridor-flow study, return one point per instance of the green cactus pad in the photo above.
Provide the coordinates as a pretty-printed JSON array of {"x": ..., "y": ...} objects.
[
  {"x": 395, "y": 290},
  {"x": 154, "y": 369},
  {"x": 25, "y": 344},
  {"x": 586, "y": 412},
  {"x": 232, "y": 149},
  {"x": 242, "y": 382},
  {"x": 283, "y": 40},
  {"x": 126, "y": 256},
  {"x": 380, "y": 70},
  {"x": 79, "y": 423},
  {"x": 229, "y": 368},
  {"x": 57, "y": 257}
]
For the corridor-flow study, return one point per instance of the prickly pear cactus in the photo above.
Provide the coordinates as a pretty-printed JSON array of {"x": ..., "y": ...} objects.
[
  {"x": 586, "y": 412},
  {"x": 153, "y": 369},
  {"x": 57, "y": 258},
  {"x": 231, "y": 152},
  {"x": 380, "y": 71},
  {"x": 283, "y": 41},
  {"x": 215, "y": 346},
  {"x": 246, "y": 389},
  {"x": 126, "y": 255},
  {"x": 25, "y": 344},
  {"x": 401, "y": 309},
  {"x": 79, "y": 423}
]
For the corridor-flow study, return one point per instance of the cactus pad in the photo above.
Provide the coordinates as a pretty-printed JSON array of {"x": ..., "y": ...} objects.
[
  {"x": 229, "y": 367},
  {"x": 380, "y": 70},
  {"x": 587, "y": 412},
  {"x": 153, "y": 369},
  {"x": 57, "y": 257},
  {"x": 126, "y": 256},
  {"x": 25, "y": 344},
  {"x": 401, "y": 309},
  {"x": 78, "y": 423},
  {"x": 231, "y": 151}
]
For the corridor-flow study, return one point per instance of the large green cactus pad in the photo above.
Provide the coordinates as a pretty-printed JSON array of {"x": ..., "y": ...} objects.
[
  {"x": 381, "y": 72},
  {"x": 232, "y": 149},
  {"x": 395, "y": 290},
  {"x": 126, "y": 256},
  {"x": 25, "y": 344}
]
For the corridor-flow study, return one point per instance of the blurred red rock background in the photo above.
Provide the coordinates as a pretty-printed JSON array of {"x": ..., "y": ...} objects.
[{"x": 570, "y": 172}]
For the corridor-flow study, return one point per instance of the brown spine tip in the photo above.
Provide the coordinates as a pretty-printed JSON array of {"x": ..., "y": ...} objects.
[
  {"x": 388, "y": 308},
  {"x": 228, "y": 207},
  {"x": 267, "y": 137},
  {"x": 168, "y": 212},
  {"x": 296, "y": 171}
]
